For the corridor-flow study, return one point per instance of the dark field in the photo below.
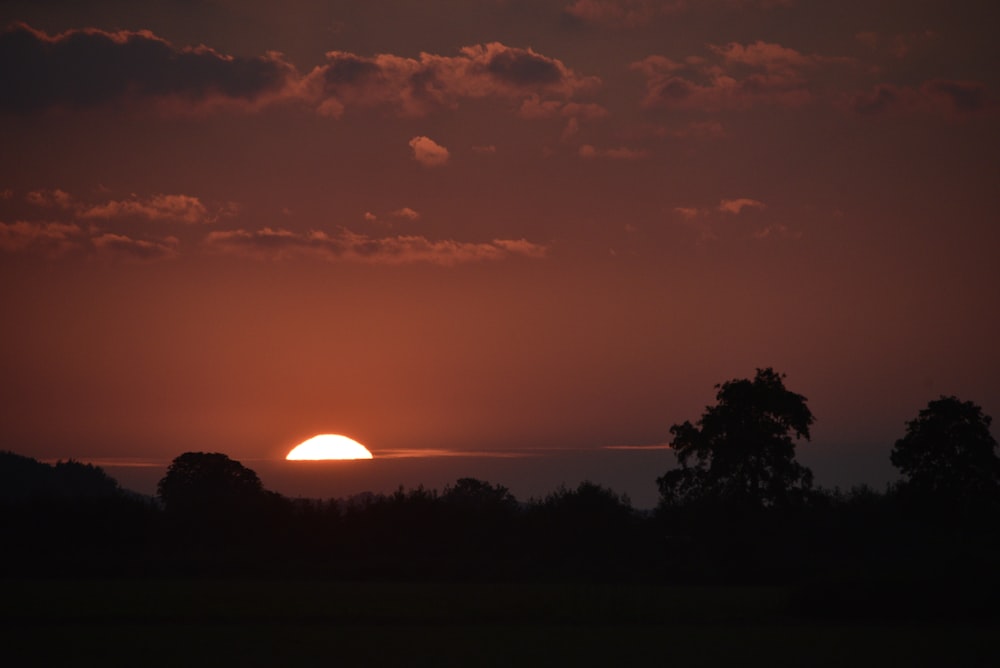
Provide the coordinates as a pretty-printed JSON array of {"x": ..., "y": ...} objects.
[{"x": 323, "y": 623}]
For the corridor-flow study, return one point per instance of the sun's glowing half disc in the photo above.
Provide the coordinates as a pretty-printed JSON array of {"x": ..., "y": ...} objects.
[{"x": 329, "y": 446}]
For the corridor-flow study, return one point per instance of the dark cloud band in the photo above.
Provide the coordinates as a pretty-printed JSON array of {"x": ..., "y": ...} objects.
[{"x": 82, "y": 68}]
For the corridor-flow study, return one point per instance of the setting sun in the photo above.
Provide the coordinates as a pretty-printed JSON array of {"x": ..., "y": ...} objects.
[{"x": 329, "y": 446}]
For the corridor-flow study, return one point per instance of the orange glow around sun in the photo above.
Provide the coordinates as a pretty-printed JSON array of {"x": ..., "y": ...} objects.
[{"x": 328, "y": 446}]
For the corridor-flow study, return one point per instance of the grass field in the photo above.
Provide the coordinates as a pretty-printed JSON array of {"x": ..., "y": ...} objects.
[{"x": 322, "y": 623}]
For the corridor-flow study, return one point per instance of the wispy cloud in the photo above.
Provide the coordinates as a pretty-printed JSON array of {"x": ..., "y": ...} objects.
[
  {"x": 733, "y": 206},
  {"x": 171, "y": 208},
  {"x": 41, "y": 238},
  {"x": 897, "y": 45},
  {"x": 344, "y": 245},
  {"x": 638, "y": 13},
  {"x": 535, "y": 108},
  {"x": 619, "y": 13},
  {"x": 119, "y": 462},
  {"x": 50, "y": 198},
  {"x": 688, "y": 212},
  {"x": 709, "y": 221},
  {"x": 937, "y": 96},
  {"x": 737, "y": 206},
  {"x": 420, "y": 453},
  {"x": 166, "y": 208},
  {"x": 406, "y": 213},
  {"x": 776, "y": 231},
  {"x": 622, "y": 153},
  {"x": 124, "y": 247},
  {"x": 59, "y": 240},
  {"x": 733, "y": 76}
]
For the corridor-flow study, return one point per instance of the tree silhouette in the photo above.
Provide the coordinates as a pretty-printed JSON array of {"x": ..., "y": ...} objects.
[
  {"x": 948, "y": 455},
  {"x": 741, "y": 452},
  {"x": 583, "y": 530},
  {"x": 68, "y": 518},
  {"x": 480, "y": 527},
  {"x": 201, "y": 482},
  {"x": 26, "y": 478},
  {"x": 478, "y": 497},
  {"x": 590, "y": 504}
]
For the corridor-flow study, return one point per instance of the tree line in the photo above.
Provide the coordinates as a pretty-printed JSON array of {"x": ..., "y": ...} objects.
[{"x": 737, "y": 507}]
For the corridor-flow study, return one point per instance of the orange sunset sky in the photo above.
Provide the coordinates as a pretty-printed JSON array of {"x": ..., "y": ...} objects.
[{"x": 494, "y": 227}]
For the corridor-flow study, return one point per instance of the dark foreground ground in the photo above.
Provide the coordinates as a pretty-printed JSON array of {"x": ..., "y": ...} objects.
[{"x": 194, "y": 622}]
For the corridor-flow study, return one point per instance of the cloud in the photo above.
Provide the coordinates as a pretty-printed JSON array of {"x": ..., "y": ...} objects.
[
  {"x": 776, "y": 231},
  {"x": 84, "y": 235},
  {"x": 659, "y": 446},
  {"x": 939, "y": 96},
  {"x": 617, "y": 13},
  {"x": 414, "y": 453},
  {"x": 165, "y": 208},
  {"x": 697, "y": 219},
  {"x": 521, "y": 247},
  {"x": 91, "y": 67},
  {"x": 370, "y": 217},
  {"x": 771, "y": 57},
  {"x": 120, "y": 246},
  {"x": 707, "y": 220},
  {"x": 523, "y": 68},
  {"x": 176, "y": 208},
  {"x": 962, "y": 96},
  {"x": 484, "y": 150},
  {"x": 407, "y": 213},
  {"x": 587, "y": 151},
  {"x": 881, "y": 98},
  {"x": 50, "y": 198},
  {"x": 638, "y": 13},
  {"x": 43, "y": 239},
  {"x": 736, "y": 206},
  {"x": 415, "y": 86},
  {"x": 279, "y": 244},
  {"x": 59, "y": 240},
  {"x": 689, "y": 212},
  {"x": 735, "y": 76},
  {"x": 534, "y": 107},
  {"x": 428, "y": 152},
  {"x": 899, "y": 45}
]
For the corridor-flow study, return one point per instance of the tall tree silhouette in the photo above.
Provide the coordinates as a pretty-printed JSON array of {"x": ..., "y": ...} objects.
[
  {"x": 742, "y": 450},
  {"x": 202, "y": 482},
  {"x": 948, "y": 455}
]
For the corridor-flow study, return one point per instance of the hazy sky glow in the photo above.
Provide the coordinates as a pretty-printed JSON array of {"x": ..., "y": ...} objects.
[{"x": 488, "y": 226}]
